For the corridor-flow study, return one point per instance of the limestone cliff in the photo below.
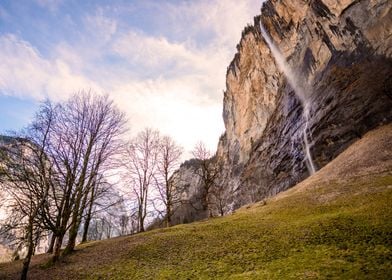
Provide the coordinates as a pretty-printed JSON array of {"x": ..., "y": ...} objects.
[{"x": 342, "y": 51}]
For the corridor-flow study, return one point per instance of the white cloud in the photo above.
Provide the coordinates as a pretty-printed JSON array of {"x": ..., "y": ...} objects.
[
  {"x": 24, "y": 72},
  {"x": 173, "y": 107},
  {"x": 223, "y": 21},
  {"x": 100, "y": 26},
  {"x": 157, "y": 57},
  {"x": 171, "y": 79},
  {"x": 151, "y": 51}
]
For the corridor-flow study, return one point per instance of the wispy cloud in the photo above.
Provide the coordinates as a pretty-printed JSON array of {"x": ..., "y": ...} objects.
[
  {"x": 24, "y": 72},
  {"x": 218, "y": 22},
  {"x": 99, "y": 26},
  {"x": 166, "y": 67},
  {"x": 52, "y": 5}
]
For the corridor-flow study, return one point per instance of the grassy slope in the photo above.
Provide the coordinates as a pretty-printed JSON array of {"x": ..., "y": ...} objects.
[{"x": 336, "y": 224}]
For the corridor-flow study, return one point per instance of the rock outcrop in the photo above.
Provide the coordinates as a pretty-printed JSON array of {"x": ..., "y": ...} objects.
[{"x": 342, "y": 51}]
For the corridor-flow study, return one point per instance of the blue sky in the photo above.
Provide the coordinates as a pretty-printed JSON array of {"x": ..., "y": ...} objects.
[{"x": 163, "y": 62}]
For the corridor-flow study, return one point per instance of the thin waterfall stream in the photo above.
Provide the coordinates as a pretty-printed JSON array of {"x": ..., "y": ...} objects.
[{"x": 300, "y": 92}]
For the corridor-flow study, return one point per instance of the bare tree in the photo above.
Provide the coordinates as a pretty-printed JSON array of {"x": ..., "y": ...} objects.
[
  {"x": 208, "y": 173},
  {"x": 28, "y": 175},
  {"x": 93, "y": 125},
  {"x": 52, "y": 171},
  {"x": 126, "y": 224},
  {"x": 219, "y": 196},
  {"x": 169, "y": 156},
  {"x": 140, "y": 162},
  {"x": 101, "y": 198}
]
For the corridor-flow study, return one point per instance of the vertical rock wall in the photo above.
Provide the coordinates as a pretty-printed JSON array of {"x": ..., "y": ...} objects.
[{"x": 342, "y": 50}]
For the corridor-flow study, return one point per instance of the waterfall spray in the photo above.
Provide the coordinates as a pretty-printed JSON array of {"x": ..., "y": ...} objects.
[
  {"x": 309, "y": 162},
  {"x": 300, "y": 92}
]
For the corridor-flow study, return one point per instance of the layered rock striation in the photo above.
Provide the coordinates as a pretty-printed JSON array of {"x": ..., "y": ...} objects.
[{"x": 341, "y": 52}]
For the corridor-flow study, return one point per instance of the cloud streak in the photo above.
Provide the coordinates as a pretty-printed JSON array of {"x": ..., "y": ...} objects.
[
  {"x": 165, "y": 69},
  {"x": 25, "y": 73}
]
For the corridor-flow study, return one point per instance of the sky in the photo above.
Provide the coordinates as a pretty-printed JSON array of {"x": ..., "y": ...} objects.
[{"x": 163, "y": 62}]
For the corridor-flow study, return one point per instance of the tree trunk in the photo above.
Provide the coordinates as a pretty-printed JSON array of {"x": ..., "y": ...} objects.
[
  {"x": 75, "y": 223},
  {"x": 86, "y": 226},
  {"x": 30, "y": 251},
  {"x": 141, "y": 227},
  {"x": 73, "y": 233},
  {"x": 141, "y": 224},
  {"x": 222, "y": 213},
  {"x": 168, "y": 216},
  {"x": 80, "y": 202},
  {"x": 26, "y": 264},
  {"x": 204, "y": 201},
  {"x": 88, "y": 218},
  {"x": 168, "y": 200},
  {"x": 51, "y": 244},
  {"x": 57, "y": 247}
]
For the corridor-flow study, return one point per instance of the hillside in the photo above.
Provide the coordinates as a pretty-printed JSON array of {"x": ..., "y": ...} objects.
[{"x": 335, "y": 224}]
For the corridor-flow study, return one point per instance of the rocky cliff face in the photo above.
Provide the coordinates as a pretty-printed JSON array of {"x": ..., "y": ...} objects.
[{"x": 342, "y": 52}]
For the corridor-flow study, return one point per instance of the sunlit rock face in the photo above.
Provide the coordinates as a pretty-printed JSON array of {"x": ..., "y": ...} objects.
[{"x": 341, "y": 51}]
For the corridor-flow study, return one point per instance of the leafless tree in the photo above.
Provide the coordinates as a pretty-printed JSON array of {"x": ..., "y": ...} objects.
[
  {"x": 70, "y": 146},
  {"x": 140, "y": 162},
  {"x": 219, "y": 199},
  {"x": 52, "y": 172},
  {"x": 169, "y": 156},
  {"x": 107, "y": 213},
  {"x": 127, "y": 224},
  {"x": 28, "y": 177},
  {"x": 101, "y": 199},
  {"x": 88, "y": 134},
  {"x": 208, "y": 173}
]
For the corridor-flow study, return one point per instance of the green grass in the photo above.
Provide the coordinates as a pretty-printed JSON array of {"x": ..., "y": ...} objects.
[{"x": 335, "y": 231}]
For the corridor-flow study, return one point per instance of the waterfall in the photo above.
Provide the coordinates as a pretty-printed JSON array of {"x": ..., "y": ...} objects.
[
  {"x": 300, "y": 92},
  {"x": 309, "y": 161}
]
